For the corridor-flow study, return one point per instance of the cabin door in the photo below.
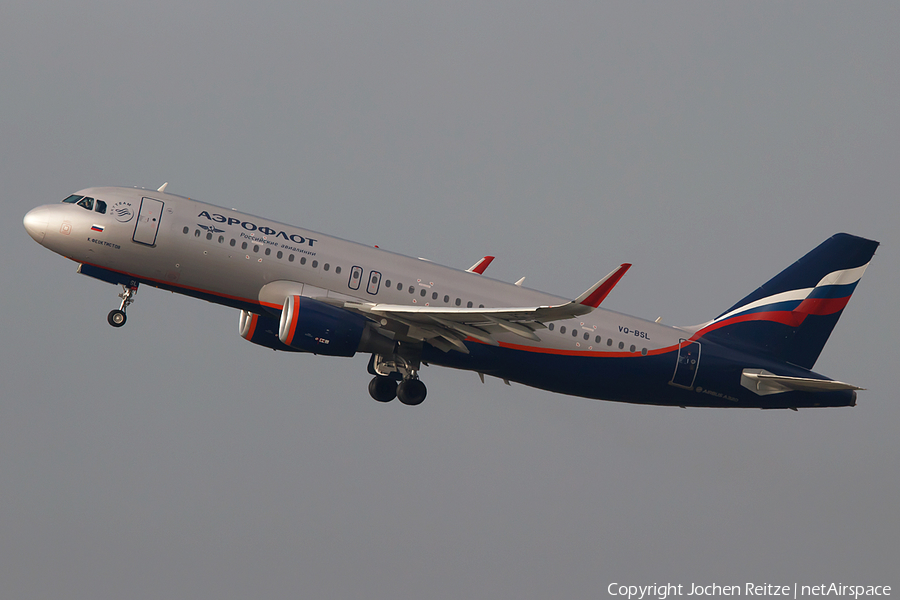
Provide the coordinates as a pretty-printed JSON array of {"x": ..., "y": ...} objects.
[
  {"x": 148, "y": 221},
  {"x": 687, "y": 364}
]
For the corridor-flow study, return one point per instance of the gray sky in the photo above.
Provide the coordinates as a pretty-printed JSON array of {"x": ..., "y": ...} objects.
[{"x": 709, "y": 144}]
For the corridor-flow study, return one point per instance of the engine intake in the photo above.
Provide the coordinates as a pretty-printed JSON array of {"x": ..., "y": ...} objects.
[{"x": 262, "y": 330}]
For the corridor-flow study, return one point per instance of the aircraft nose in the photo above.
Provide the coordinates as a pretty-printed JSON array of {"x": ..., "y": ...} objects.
[{"x": 36, "y": 223}]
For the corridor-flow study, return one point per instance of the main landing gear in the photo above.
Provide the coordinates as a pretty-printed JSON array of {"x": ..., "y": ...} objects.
[
  {"x": 409, "y": 391},
  {"x": 395, "y": 377},
  {"x": 117, "y": 317}
]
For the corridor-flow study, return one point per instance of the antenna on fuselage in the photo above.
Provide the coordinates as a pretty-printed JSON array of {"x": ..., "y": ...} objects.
[{"x": 162, "y": 188}]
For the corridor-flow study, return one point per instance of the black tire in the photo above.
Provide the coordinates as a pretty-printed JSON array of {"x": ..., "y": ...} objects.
[
  {"x": 116, "y": 318},
  {"x": 383, "y": 389},
  {"x": 411, "y": 392}
]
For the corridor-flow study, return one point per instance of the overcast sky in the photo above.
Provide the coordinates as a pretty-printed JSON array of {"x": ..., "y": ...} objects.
[{"x": 710, "y": 144}]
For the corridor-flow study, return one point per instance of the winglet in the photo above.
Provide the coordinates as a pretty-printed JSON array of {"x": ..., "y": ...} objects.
[
  {"x": 481, "y": 265},
  {"x": 598, "y": 292}
]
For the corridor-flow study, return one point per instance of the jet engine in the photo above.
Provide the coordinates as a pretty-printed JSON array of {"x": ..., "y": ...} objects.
[
  {"x": 313, "y": 326},
  {"x": 262, "y": 330}
]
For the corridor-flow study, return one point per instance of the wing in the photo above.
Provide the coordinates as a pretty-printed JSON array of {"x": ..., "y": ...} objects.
[{"x": 446, "y": 328}]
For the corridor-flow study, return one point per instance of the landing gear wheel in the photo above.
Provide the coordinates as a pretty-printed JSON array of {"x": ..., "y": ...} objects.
[
  {"x": 411, "y": 392},
  {"x": 383, "y": 389},
  {"x": 116, "y": 318}
]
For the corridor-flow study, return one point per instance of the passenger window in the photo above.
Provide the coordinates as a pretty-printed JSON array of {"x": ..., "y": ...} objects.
[
  {"x": 290, "y": 258},
  {"x": 434, "y": 295},
  {"x": 302, "y": 260},
  {"x": 208, "y": 235},
  {"x": 232, "y": 242},
  {"x": 221, "y": 239},
  {"x": 87, "y": 203},
  {"x": 587, "y": 336},
  {"x": 387, "y": 283},
  {"x": 243, "y": 245},
  {"x": 326, "y": 266},
  {"x": 268, "y": 251},
  {"x": 411, "y": 289},
  {"x": 337, "y": 270},
  {"x": 399, "y": 286},
  {"x": 574, "y": 333},
  {"x": 280, "y": 254},
  {"x": 562, "y": 328},
  {"x": 469, "y": 304},
  {"x": 644, "y": 351},
  {"x": 609, "y": 341},
  {"x": 256, "y": 247},
  {"x": 185, "y": 230},
  {"x": 458, "y": 301},
  {"x": 621, "y": 345},
  {"x": 196, "y": 233},
  {"x": 550, "y": 326},
  {"x": 597, "y": 340},
  {"x": 446, "y": 299},
  {"x": 315, "y": 264},
  {"x": 100, "y": 207},
  {"x": 422, "y": 292},
  {"x": 633, "y": 348}
]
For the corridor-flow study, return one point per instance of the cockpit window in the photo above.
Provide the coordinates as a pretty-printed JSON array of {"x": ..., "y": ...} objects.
[{"x": 86, "y": 202}]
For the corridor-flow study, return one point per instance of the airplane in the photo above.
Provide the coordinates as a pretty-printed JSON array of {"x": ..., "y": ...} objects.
[{"x": 303, "y": 291}]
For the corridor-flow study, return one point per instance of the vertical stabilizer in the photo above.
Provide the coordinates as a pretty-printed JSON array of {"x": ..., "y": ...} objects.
[{"x": 791, "y": 316}]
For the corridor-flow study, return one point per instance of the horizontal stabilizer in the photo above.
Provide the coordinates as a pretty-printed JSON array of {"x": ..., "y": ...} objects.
[{"x": 764, "y": 383}]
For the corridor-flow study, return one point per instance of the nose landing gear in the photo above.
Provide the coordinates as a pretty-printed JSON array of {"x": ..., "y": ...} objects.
[{"x": 117, "y": 317}]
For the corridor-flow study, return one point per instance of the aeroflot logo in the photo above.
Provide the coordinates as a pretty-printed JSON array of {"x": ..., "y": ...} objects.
[
  {"x": 297, "y": 239},
  {"x": 123, "y": 211}
]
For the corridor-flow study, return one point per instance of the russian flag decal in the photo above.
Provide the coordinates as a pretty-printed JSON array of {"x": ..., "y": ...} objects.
[{"x": 97, "y": 228}]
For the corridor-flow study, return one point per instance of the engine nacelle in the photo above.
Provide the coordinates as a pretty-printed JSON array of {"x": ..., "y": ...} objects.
[
  {"x": 312, "y": 326},
  {"x": 262, "y": 330}
]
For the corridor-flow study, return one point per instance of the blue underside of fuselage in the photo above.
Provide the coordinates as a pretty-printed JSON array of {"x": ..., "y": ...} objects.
[{"x": 638, "y": 379}]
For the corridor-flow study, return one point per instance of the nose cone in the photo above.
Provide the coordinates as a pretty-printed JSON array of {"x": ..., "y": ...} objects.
[{"x": 36, "y": 223}]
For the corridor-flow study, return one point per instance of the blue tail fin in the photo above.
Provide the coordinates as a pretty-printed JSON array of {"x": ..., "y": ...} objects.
[{"x": 790, "y": 317}]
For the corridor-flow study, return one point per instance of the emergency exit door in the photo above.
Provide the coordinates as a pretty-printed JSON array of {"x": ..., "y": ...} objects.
[{"x": 148, "y": 221}]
